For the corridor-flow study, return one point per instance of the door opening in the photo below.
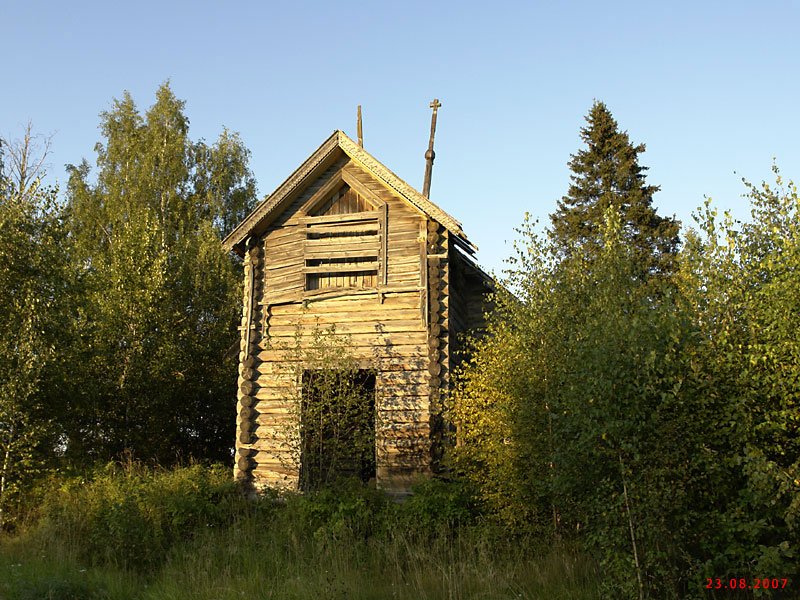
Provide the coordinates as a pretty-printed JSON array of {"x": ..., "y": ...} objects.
[{"x": 337, "y": 427}]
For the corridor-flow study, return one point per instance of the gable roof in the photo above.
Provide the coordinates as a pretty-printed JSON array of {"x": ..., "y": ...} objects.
[{"x": 273, "y": 204}]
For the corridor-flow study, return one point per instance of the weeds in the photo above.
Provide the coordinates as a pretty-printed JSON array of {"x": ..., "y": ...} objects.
[{"x": 133, "y": 533}]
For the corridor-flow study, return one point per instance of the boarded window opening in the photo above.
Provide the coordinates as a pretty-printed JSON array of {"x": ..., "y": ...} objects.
[
  {"x": 344, "y": 243},
  {"x": 337, "y": 427}
]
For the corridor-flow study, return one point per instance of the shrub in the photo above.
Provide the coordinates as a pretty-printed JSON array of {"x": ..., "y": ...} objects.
[
  {"x": 345, "y": 508},
  {"x": 130, "y": 516},
  {"x": 438, "y": 504}
]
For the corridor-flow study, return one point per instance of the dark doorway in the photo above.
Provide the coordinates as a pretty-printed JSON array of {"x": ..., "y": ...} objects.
[{"x": 337, "y": 427}]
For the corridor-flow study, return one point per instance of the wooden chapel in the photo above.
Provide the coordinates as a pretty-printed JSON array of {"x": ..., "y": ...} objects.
[{"x": 345, "y": 242}]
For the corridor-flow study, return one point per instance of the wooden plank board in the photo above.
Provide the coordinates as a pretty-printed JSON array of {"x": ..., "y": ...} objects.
[
  {"x": 363, "y": 326},
  {"x": 403, "y": 415},
  {"x": 340, "y": 253},
  {"x": 357, "y": 228},
  {"x": 373, "y": 355},
  {"x": 312, "y": 317},
  {"x": 359, "y": 267},
  {"x": 388, "y": 298},
  {"x": 395, "y": 430},
  {"x": 371, "y": 215}
]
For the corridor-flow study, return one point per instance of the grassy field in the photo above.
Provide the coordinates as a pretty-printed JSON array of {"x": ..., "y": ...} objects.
[
  {"x": 247, "y": 562},
  {"x": 190, "y": 534}
]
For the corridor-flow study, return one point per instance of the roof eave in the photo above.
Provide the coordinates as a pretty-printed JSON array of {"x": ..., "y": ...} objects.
[{"x": 270, "y": 202}]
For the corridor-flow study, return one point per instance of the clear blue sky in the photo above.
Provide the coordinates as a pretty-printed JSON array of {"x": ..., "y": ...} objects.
[{"x": 712, "y": 88}]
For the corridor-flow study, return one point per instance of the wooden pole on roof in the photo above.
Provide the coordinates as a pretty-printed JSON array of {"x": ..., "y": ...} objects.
[
  {"x": 430, "y": 154},
  {"x": 359, "y": 129}
]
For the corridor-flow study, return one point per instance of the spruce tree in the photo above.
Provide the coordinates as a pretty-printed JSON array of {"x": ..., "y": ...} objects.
[{"x": 606, "y": 173}]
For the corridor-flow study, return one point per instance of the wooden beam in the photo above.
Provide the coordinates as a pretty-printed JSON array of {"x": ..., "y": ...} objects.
[
  {"x": 344, "y": 268},
  {"x": 370, "y": 215}
]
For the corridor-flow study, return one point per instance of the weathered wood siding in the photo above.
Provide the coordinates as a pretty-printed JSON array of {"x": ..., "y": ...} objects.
[{"x": 389, "y": 326}]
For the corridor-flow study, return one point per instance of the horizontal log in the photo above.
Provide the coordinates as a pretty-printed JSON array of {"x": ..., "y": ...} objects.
[
  {"x": 329, "y": 229},
  {"x": 391, "y": 331},
  {"x": 277, "y": 408},
  {"x": 403, "y": 415},
  {"x": 275, "y": 425},
  {"x": 275, "y": 471},
  {"x": 275, "y": 393},
  {"x": 371, "y": 215},
  {"x": 371, "y": 314},
  {"x": 341, "y": 253},
  {"x": 408, "y": 376},
  {"x": 360, "y": 268},
  {"x": 387, "y": 291},
  {"x": 276, "y": 235},
  {"x": 389, "y": 405},
  {"x": 403, "y": 445},
  {"x": 364, "y": 348},
  {"x": 387, "y": 432},
  {"x": 361, "y": 243},
  {"x": 401, "y": 390}
]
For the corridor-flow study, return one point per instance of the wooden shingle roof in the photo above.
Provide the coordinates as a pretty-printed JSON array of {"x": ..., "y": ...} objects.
[{"x": 275, "y": 203}]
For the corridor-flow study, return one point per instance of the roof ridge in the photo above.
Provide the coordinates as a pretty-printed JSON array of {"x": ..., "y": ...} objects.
[
  {"x": 339, "y": 139},
  {"x": 358, "y": 153}
]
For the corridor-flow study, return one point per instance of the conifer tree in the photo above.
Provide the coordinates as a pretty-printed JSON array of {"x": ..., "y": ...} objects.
[{"x": 606, "y": 173}]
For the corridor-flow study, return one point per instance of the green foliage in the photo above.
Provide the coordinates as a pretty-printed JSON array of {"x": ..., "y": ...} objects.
[
  {"x": 438, "y": 506},
  {"x": 351, "y": 542},
  {"x": 566, "y": 411},
  {"x": 146, "y": 368},
  {"x": 747, "y": 304},
  {"x": 56, "y": 588},
  {"x": 607, "y": 174},
  {"x": 129, "y": 516},
  {"x": 655, "y": 426},
  {"x": 32, "y": 275},
  {"x": 349, "y": 508},
  {"x": 344, "y": 508}
]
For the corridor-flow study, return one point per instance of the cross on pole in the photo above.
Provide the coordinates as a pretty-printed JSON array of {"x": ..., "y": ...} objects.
[{"x": 430, "y": 155}]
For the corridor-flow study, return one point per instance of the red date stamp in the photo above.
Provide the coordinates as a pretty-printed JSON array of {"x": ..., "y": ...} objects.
[{"x": 743, "y": 583}]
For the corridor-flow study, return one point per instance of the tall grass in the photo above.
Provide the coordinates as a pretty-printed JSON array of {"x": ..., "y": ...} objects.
[{"x": 189, "y": 533}]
